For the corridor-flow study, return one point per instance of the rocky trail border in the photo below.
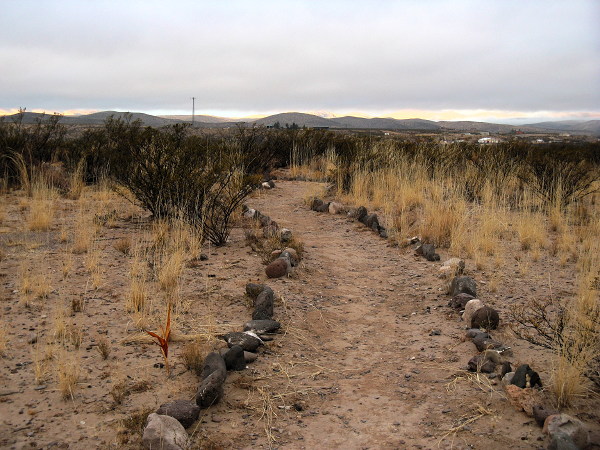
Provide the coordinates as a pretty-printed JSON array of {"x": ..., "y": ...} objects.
[{"x": 391, "y": 354}]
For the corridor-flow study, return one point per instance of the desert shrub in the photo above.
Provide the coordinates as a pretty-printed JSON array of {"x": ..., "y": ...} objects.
[{"x": 37, "y": 142}]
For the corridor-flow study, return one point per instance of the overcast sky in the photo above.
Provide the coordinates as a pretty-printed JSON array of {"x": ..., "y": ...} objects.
[{"x": 381, "y": 58}]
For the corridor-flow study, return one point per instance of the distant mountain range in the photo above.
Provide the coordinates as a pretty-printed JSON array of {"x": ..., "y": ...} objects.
[{"x": 591, "y": 127}]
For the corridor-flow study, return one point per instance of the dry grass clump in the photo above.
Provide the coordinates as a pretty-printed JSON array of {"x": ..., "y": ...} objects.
[
  {"x": 66, "y": 333},
  {"x": 76, "y": 182},
  {"x": 41, "y": 207},
  {"x": 3, "y": 339},
  {"x": 123, "y": 389},
  {"x": 104, "y": 348},
  {"x": 33, "y": 284},
  {"x": 192, "y": 355},
  {"x": 84, "y": 230},
  {"x": 42, "y": 355},
  {"x": 68, "y": 374},
  {"x": 123, "y": 245}
]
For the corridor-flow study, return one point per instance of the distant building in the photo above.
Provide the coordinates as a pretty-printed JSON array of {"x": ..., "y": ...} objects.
[{"x": 488, "y": 140}]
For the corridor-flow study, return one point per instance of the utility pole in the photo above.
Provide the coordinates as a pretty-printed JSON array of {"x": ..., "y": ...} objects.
[{"x": 193, "y": 109}]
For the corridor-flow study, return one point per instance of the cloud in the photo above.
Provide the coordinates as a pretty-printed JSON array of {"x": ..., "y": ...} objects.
[{"x": 301, "y": 55}]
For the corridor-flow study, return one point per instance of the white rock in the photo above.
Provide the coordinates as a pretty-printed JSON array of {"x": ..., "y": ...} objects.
[
  {"x": 164, "y": 433},
  {"x": 249, "y": 213},
  {"x": 470, "y": 308},
  {"x": 336, "y": 208}
]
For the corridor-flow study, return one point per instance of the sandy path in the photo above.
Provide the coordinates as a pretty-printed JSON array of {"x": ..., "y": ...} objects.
[{"x": 376, "y": 306}]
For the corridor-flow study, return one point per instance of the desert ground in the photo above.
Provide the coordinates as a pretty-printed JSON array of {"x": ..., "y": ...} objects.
[{"x": 369, "y": 354}]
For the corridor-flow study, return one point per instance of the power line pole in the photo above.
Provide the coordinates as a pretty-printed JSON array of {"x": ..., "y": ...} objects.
[{"x": 193, "y": 109}]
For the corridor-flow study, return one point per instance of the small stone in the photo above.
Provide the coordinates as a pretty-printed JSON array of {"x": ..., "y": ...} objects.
[
  {"x": 285, "y": 235},
  {"x": 336, "y": 208},
  {"x": 262, "y": 326},
  {"x": 164, "y": 432},
  {"x": 459, "y": 301},
  {"x": 253, "y": 289},
  {"x": 247, "y": 340},
  {"x": 435, "y": 332},
  {"x": 184, "y": 411},
  {"x": 263, "y": 306},
  {"x": 541, "y": 413},
  {"x": 463, "y": 284},
  {"x": 278, "y": 268},
  {"x": 485, "y": 317},
  {"x": 203, "y": 257},
  {"x": 525, "y": 377},
  {"x": 479, "y": 363},
  {"x": 250, "y": 357},
  {"x": 470, "y": 308},
  {"x": 210, "y": 390},
  {"x": 316, "y": 203},
  {"x": 523, "y": 399}
]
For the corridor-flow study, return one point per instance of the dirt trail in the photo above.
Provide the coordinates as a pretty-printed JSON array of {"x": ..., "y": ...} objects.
[{"x": 368, "y": 310}]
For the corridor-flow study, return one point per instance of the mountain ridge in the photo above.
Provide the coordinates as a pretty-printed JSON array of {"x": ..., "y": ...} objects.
[{"x": 311, "y": 120}]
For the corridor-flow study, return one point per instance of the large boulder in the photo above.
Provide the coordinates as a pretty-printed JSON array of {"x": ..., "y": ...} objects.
[
  {"x": 470, "y": 308},
  {"x": 463, "y": 284},
  {"x": 164, "y": 433},
  {"x": 278, "y": 268},
  {"x": 485, "y": 317},
  {"x": 184, "y": 411}
]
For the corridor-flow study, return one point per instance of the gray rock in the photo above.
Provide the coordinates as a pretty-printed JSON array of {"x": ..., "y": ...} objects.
[
  {"x": 485, "y": 317},
  {"x": 213, "y": 363},
  {"x": 285, "y": 235},
  {"x": 463, "y": 284},
  {"x": 253, "y": 289},
  {"x": 323, "y": 208},
  {"x": 164, "y": 433},
  {"x": 263, "y": 306},
  {"x": 470, "y": 308},
  {"x": 184, "y": 411},
  {"x": 249, "y": 213},
  {"x": 565, "y": 425},
  {"x": 336, "y": 208},
  {"x": 271, "y": 184},
  {"x": 316, "y": 204},
  {"x": 562, "y": 441},
  {"x": 250, "y": 357},
  {"x": 459, "y": 301},
  {"x": 210, "y": 390},
  {"x": 484, "y": 343},
  {"x": 472, "y": 333},
  {"x": 428, "y": 252},
  {"x": 541, "y": 413},
  {"x": 234, "y": 358},
  {"x": 262, "y": 326},
  {"x": 247, "y": 340},
  {"x": 291, "y": 254},
  {"x": 479, "y": 363},
  {"x": 382, "y": 232},
  {"x": 264, "y": 220},
  {"x": 271, "y": 230},
  {"x": 360, "y": 213},
  {"x": 507, "y": 378},
  {"x": 506, "y": 368}
]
